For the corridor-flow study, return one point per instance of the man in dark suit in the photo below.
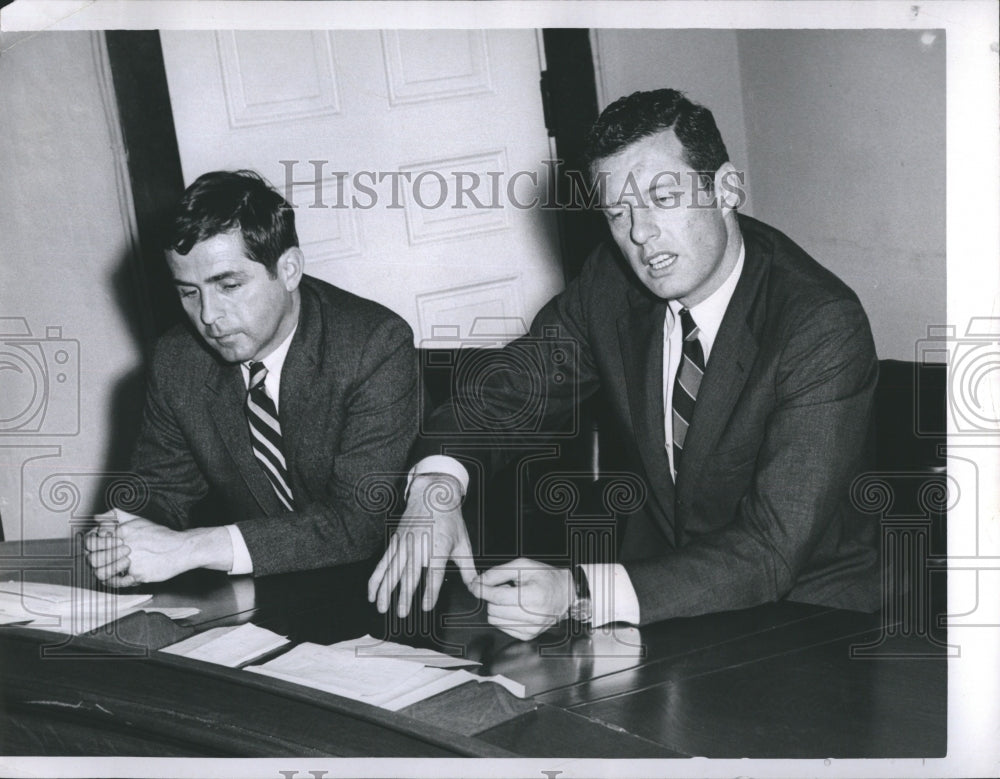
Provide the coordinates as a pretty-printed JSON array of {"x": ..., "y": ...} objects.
[
  {"x": 264, "y": 418},
  {"x": 740, "y": 374}
]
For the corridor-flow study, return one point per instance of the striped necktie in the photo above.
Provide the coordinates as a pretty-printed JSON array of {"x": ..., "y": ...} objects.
[
  {"x": 686, "y": 383},
  {"x": 265, "y": 434}
]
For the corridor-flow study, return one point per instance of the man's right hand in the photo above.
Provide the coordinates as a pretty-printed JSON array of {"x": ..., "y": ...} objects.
[
  {"x": 125, "y": 550},
  {"x": 106, "y": 550},
  {"x": 431, "y": 532}
]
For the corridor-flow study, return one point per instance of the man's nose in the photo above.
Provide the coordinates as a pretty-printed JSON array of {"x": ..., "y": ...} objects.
[
  {"x": 644, "y": 225},
  {"x": 210, "y": 310}
]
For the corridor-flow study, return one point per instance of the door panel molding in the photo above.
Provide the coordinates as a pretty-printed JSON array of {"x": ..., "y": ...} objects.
[{"x": 305, "y": 92}]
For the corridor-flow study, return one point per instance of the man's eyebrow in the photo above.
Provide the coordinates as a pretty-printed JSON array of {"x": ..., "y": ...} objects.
[{"x": 229, "y": 274}]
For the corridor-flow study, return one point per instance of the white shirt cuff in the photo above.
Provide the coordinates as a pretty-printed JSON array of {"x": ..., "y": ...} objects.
[
  {"x": 612, "y": 595},
  {"x": 242, "y": 564},
  {"x": 439, "y": 463}
]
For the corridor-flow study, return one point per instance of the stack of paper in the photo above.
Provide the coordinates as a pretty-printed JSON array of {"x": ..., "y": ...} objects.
[
  {"x": 388, "y": 682},
  {"x": 63, "y": 609},
  {"x": 231, "y": 646}
]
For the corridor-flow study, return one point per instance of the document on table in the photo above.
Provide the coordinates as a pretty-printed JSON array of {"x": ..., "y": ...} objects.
[
  {"x": 388, "y": 682},
  {"x": 173, "y": 612},
  {"x": 231, "y": 646},
  {"x": 366, "y": 646},
  {"x": 63, "y": 609}
]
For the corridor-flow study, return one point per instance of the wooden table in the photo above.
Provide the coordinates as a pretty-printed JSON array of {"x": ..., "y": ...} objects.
[{"x": 781, "y": 680}]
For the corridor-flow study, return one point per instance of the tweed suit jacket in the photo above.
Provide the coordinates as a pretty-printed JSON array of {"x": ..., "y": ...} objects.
[
  {"x": 348, "y": 414},
  {"x": 761, "y": 508}
]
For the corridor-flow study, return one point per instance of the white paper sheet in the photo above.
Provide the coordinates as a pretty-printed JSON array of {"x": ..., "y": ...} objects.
[
  {"x": 366, "y": 646},
  {"x": 388, "y": 682},
  {"x": 63, "y": 609},
  {"x": 230, "y": 646}
]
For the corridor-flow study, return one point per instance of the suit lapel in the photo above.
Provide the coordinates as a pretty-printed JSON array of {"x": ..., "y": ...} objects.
[
  {"x": 733, "y": 354},
  {"x": 298, "y": 370},
  {"x": 640, "y": 332},
  {"x": 226, "y": 396}
]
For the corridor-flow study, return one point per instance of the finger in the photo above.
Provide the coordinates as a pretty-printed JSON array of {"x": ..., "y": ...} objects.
[
  {"x": 112, "y": 569},
  {"x": 435, "y": 572},
  {"x": 125, "y": 580},
  {"x": 393, "y": 572},
  {"x": 462, "y": 555},
  {"x": 381, "y": 568},
  {"x": 390, "y": 576},
  {"x": 501, "y": 574},
  {"x": 512, "y": 629},
  {"x": 104, "y": 566},
  {"x": 514, "y": 615},
  {"x": 502, "y": 594},
  {"x": 103, "y": 557},
  {"x": 432, "y": 587},
  {"x": 107, "y": 520},
  {"x": 93, "y": 542},
  {"x": 519, "y": 630},
  {"x": 101, "y": 541},
  {"x": 410, "y": 576},
  {"x": 107, "y": 526},
  {"x": 104, "y": 528},
  {"x": 425, "y": 541}
]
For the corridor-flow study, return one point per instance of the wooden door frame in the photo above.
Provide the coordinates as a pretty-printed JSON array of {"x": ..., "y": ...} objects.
[
  {"x": 569, "y": 95},
  {"x": 154, "y": 164}
]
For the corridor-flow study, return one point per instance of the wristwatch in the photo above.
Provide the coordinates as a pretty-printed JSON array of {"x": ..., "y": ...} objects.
[{"x": 580, "y": 609}]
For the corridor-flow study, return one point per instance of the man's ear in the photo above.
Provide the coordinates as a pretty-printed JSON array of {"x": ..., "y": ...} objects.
[
  {"x": 730, "y": 187},
  {"x": 290, "y": 267}
]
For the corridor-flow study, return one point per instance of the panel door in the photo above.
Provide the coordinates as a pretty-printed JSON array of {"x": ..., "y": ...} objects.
[{"x": 417, "y": 161}]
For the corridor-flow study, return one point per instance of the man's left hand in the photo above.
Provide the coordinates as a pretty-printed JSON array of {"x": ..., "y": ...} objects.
[{"x": 525, "y": 597}]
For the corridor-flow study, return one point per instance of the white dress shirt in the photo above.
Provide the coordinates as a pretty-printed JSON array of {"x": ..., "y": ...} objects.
[
  {"x": 274, "y": 362},
  {"x": 612, "y": 595}
]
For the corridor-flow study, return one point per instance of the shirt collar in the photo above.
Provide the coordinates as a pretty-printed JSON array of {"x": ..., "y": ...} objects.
[
  {"x": 709, "y": 313},
  {"x": 275, "y": 361}
]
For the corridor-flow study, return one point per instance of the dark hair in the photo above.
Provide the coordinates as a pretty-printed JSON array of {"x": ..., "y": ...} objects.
[
  {"x": 223, "y": 201},
  {"x": 642, "y": 114}
]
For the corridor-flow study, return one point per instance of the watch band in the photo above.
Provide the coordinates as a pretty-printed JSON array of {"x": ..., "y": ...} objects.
[
  {"x": 580, "y": 583},
  {"x": 581, "y": 609}
]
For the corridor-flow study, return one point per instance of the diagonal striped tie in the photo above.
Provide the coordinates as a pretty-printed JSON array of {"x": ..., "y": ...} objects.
[
  {"x": 265, "y": 434},
  {"x": 686, "y": 383}
]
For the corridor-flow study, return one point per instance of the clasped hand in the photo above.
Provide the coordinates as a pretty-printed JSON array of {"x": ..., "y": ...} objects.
[
  {"x": 524, "y": 597},
  {"x": 125, "y": 550}
]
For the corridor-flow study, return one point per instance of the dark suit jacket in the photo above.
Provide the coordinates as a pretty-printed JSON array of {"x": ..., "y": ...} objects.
[
  {"x": 348, "y": 414},
  {"x": 761, "y": 509}
]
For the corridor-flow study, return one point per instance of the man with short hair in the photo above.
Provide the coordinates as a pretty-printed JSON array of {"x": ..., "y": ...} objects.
[
  {"x": 264, "y": 415},
  {"x": 739, "y": 374}
]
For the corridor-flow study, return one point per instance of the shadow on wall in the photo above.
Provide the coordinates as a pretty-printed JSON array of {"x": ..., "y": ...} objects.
[{"x": 125, "y": 400}]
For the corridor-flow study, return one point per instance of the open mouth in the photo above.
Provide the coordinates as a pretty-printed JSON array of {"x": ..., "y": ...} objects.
[{"x": 661, "y": 261}]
